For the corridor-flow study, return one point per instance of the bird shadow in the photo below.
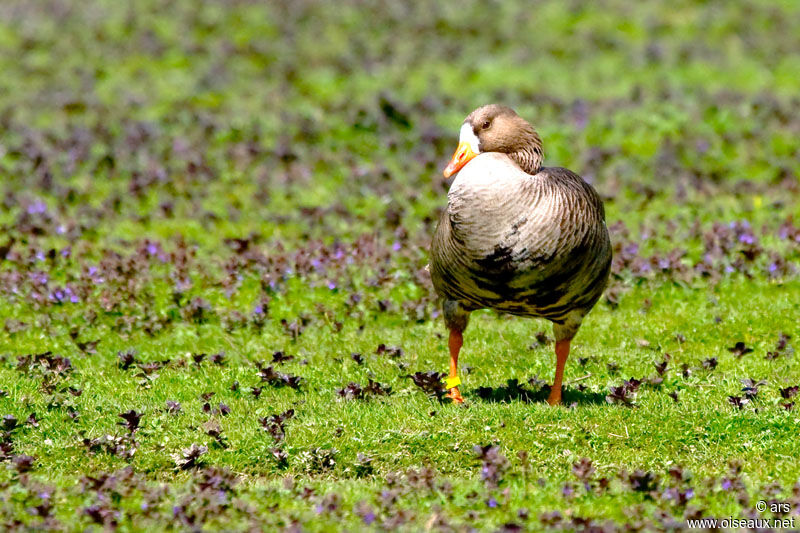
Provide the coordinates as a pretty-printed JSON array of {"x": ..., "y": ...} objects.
[{"x": 514, "y": 391}]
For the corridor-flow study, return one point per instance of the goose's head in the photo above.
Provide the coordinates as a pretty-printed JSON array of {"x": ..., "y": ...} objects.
[{"x": 497, "y": 128}]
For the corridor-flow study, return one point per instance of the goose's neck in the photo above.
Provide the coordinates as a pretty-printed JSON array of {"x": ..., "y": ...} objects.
[{"x": 529, "y": 158}]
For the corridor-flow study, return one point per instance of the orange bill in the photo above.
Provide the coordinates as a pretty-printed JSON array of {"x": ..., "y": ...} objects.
[{"x": 462, "y": 156}]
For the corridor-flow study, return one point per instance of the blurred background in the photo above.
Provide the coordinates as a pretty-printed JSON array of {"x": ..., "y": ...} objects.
[{"x": 224, "y": 118}]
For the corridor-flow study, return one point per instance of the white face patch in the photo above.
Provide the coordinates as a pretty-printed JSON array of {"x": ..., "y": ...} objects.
[{"x": 468, "y": 136}]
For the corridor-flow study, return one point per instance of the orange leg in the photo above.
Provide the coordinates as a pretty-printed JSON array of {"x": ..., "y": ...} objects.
[
  {"x": 562, "y": 352},
  {"x": 456, "y": 340}
]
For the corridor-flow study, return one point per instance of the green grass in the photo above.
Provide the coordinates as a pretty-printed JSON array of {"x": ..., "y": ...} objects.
[{"x": 138, "y": 143}]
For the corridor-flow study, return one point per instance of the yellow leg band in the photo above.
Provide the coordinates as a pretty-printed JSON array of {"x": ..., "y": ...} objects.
[{"x": 452, "y": 383}]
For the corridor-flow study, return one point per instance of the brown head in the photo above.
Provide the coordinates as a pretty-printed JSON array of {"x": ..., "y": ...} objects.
[{"x": 497, "y": 128}]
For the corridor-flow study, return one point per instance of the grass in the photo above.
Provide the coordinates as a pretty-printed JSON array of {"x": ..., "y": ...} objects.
[{"x": 180, "y": 181}]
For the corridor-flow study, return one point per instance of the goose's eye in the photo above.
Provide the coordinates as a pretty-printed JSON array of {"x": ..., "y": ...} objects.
[{"x": 486, "y": 125}]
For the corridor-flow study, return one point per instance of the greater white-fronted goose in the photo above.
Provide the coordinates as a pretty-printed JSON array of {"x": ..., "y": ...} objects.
[{"x": 516, "y": 237}]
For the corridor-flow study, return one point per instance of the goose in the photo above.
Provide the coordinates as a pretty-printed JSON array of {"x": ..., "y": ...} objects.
[{"x": 516, "y": 237}]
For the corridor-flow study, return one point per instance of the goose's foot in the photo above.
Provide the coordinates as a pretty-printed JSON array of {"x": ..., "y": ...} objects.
[
  {"x": 555, "y": 396},
  {"x": 455, "y": 395}
]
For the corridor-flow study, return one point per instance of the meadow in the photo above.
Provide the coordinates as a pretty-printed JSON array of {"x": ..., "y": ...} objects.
[{"x": 214, "y": 227}]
